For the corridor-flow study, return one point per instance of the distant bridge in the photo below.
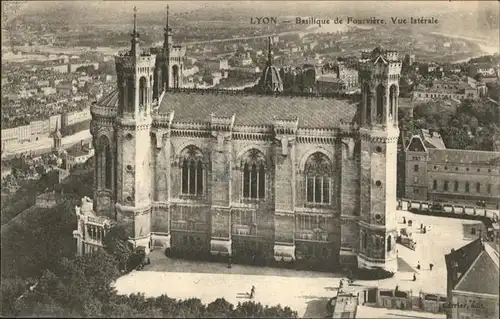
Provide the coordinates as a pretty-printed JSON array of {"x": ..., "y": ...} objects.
[{"x": 237, "y": 39}]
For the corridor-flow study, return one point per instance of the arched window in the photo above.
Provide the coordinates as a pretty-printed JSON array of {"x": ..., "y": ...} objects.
[
  {"x": 175, "y": 76},
  {"x": 467, "y": 187},
  {"x": 389, "y": 243},
  {"x": 192, "y": 182},
  {"x": 393, "y": 98},
  {"x": 143, "y": 93},
  {"x": 105, "y": 163},
  {"x": 364, "y": 240},
  {"x": 456, "y": 186},
  {"x": 318, "y": 172},
  {"x": 478, "y": 187},
  {"x": 130, "y": 102},
  {"x": 434, "y": 184},
  {"x": 254, "y": 174},
  {"x": 380, "y": 102},
  {"x": 368, "y": 103},
  {"x": 445, "y": 186}
]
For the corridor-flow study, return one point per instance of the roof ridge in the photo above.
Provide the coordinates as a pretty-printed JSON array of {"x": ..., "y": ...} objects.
[
  {"x": 253, "y": 93},
  {"x": 493, "y": 254},
  {"x": 463, "y": 151}
]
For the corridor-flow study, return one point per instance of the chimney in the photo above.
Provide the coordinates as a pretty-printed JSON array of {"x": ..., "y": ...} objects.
[{"x": 454, "y": 270}]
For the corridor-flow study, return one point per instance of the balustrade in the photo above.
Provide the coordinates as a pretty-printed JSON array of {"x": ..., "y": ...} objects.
[
  {"x": 244, "y": 230},
  {"x": 284, "y": 237},
  {"x": 310, "y": 235},
  {"x": 95, "y": 233},
  {"x": 189, "y": 226}
]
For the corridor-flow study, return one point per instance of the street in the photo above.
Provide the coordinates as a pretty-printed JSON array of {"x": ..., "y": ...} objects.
[{"x": 46, "y": 143}]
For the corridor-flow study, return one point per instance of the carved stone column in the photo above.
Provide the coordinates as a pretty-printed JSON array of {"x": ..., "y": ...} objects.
[
  {"x": 221, "y": 161},
  {"x": 161, "y": 185},
  {"x": 284, "y": 218}
]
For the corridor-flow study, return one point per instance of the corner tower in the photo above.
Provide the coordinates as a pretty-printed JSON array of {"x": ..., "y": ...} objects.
[
  {"x": 379, "y": 74},
  {"x": 170, "y": 63},
  {"x": 135, "y": 70}
]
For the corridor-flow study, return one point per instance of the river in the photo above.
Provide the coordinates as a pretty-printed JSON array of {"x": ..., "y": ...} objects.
[
  {"x": 488, "y": 47},
  {"x": 46, "y": 49}
]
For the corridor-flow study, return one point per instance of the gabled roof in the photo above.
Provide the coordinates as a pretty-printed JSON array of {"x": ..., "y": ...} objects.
[
  {"x": 463, "y": 156},
  {"x": 483, "y": 275},
  {"x": 477, "y": 267},
  {"x": 257, "y": 110},
  {"x": 462, "y": 258},
  {"x": 432, "y": 139},
  {"x": 109, "y": 100},
  {"x": 416, "y": 145},
  {"x": 380, "y": 58},
  {"x": 196, "y": 106}
]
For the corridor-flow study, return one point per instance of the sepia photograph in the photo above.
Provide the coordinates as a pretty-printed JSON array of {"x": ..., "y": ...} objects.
[{"x": 250, "y": 159}]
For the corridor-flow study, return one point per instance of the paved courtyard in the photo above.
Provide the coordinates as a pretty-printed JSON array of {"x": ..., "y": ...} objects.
[{"x": 304, "y": 291}]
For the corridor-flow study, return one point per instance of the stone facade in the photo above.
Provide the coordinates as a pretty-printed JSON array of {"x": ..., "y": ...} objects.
[
  {"x": 461, "y": 176},
  {"x": 283, "y": 177}
]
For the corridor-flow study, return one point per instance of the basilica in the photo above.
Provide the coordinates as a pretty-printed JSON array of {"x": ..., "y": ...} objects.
[{"x": 278, "y": 176}]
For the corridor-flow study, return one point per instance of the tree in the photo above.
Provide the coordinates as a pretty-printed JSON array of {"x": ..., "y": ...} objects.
[
  {"x": 248, "y": 309},
  {"x": 192, "y": 308},
  {"x": 116, "y": 243},
  {"x": 168, "y": 306},
  {"x": 220, "y": 308},
  {"x": 406, "y": 64},
  {"x": 207, "y": 76},
  {"x": 10, "y": 290},
  {"x": 279, "y": 312}
]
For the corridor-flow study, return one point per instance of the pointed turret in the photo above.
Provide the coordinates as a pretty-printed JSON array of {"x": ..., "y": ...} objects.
[
  {"x": 57, "y": 139},
  {"x": 135, "y": 36},
  {"x": 270, "y": 80},
  {"x": 57, "y": 131},
  {"x": 269, "y": 51},
  {"x": 167, "y": 43},
  {"x": 170, "y": 63}
]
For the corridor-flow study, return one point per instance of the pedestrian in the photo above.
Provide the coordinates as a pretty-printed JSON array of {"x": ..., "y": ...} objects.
[
  {"x": 414, "y": 277},
  {"x": 252, "y": 292},
  {"x": 229, "y": 261},
  {"x": 404, "y": 220},
  {"x": 418, "y": 265},
  {"x": 341, "y": 284},
  {"x": 397, "y": 288},
  {"x": 421, "y": 226},
  {"x": 430, "y": 266},
  {"x": 425, "y": 229}
]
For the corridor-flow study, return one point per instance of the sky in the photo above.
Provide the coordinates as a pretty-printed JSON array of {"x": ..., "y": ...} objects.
[
  {"x": 403, "y": 6},
  {"x": 83, "y": 11}
]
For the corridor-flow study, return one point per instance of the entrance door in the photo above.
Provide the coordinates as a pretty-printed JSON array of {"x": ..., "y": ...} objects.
[{"x": 372, "y": 295}]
